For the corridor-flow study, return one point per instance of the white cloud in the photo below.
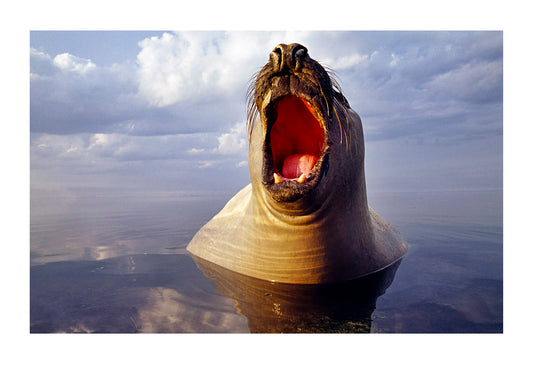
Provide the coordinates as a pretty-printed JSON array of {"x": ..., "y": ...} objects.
[
  {"x": 206, "y": 164},
  {"x": 102, "y": 140},
  {"x": 394, "y": 60},
  {"x": 345, "y": 62},
  {"x": 196, "y": 151},
  {"x": 202, "y": 65},
  {"x": 80, "y": 149},
  {"x": 58, "y": 146},
  {"x": 173, "y": 68},
  {"x": 73, "y": 63},
  {"x": 233, "y": 142}
]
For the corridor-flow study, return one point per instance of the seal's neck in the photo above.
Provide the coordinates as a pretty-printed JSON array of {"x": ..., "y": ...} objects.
[{"x": 337, "y": 221}]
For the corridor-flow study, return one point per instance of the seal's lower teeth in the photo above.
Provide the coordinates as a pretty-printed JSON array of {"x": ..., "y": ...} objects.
[
  {"x": 279, "y": 178},
  {"x": 302, "y": 178}
]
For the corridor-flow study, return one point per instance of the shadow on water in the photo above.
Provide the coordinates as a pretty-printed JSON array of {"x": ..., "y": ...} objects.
[{"x": 289, "y": 308}]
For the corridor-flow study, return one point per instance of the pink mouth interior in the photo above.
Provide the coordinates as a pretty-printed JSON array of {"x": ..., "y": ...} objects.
[{"x": 296, "y": 137}]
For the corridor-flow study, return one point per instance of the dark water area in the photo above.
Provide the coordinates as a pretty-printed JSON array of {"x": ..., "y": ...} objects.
[{"x": 116, "y": 263}]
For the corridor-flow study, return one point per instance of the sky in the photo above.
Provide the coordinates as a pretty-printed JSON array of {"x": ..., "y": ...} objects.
[{"x": 165, "y": 111}]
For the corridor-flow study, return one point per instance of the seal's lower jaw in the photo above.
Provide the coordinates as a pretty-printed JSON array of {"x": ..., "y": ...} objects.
[{"x": 295, "y": 155}]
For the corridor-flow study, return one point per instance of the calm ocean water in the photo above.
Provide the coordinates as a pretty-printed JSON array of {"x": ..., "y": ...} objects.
[{"x": 116, "y": 262}]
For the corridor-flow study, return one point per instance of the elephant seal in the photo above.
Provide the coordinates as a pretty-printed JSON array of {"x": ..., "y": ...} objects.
[{"x": 304, "y": 218}]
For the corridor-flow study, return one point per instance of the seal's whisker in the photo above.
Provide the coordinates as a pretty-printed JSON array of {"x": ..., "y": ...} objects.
[
  {"x": 250, "y": 119},
  {"x": 325, "y": 100},
  {"x": 317, "y": 84},
  {"x": 251, "y": 106},
  {"x": 341, "y": 127},
  {"x": 340, "y": 101}
]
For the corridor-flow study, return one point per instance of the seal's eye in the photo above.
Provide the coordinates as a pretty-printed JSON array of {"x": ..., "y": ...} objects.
[{"x": 296, "y": 138}]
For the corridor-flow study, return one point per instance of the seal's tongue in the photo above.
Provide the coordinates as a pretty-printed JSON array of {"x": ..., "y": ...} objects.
[{"x": 297, "y": 164}]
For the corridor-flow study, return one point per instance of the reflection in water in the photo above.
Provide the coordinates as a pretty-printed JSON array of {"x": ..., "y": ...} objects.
[
  {"x": 140, "y": 293},
  {"x": 290, "y": 308},
  {"x": 169, "y": 294},
  {"x": 97, "y": 226}
]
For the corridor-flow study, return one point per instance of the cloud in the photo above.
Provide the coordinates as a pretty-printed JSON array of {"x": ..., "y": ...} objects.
[
  {"x": 200, "y": 66},
  {"x": 196, "y": 150},
  {"x": 73, "y": 63},
  {"x": 97, "y": 147},
  {"x": 87, "y": 153},
  {"x": 345, "y": 62},
  {"x": 475, "y": 82},
  {"x": 175, "y": 68},
  {"x": 72, "y": 95},
  {"x": 428, "y": 85},
  {"x": 41, "y": 64},
  {"x": 233, "y": 142}
]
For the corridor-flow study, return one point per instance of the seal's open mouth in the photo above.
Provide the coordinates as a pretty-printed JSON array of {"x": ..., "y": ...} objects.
[
  {"x": 295, "y": 154},
  {"x": 296, "y": 139}
]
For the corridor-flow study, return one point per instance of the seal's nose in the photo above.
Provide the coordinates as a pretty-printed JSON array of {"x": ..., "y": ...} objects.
[{"x": 288, "y": 57}]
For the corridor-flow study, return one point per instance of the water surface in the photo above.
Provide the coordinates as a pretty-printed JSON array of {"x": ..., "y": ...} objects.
[{"x": 116, "y": 262}]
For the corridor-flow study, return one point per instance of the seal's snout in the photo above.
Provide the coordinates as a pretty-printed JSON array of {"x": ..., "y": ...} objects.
[{"x": 288, "y": 57}]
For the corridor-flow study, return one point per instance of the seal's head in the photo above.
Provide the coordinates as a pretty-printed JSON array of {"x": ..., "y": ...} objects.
[{"x": 299, "y": 128}]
